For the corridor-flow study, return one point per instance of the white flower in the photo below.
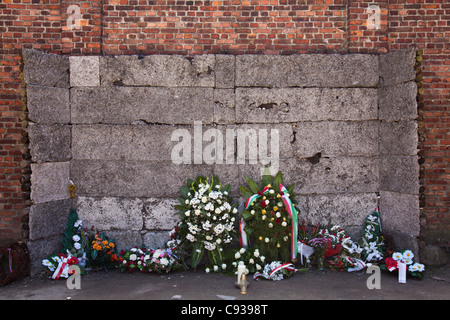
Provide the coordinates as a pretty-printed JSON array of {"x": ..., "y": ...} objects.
[
  {"x": 235, "y": 210},
  {"x": 204, "y": 199},
  {"x": 271, "y": 191},
  {"x": 271, "y": 225},
  {"x": 216, "y": 268},
  {"x": 408, "y": 254},
  {"x": 242, "y": 251},
  {"x": 267, "y": 202},
  {"x": 197, "y": 212},
  {"x": 397, "y": 256},
  {"x": 217, "y": 210},
  {"x": 420, "y": 267},
  {"x": 252, "y": 212},
  {"x": 258, "y": 267},
  {"x": 76, "y": 238},
  {"x": 187, "y": 213},
  {"x": 407, "y": 261},
  {"x": 224, "y": 266},
  {"x": 133, "y": 257},
  {"x": 77, "y": 245},
  {"x": 77, "y": 223},
  {"x": 266, "y": 240},
  {"x": 251, "y": 261},
  {"x": 207, "y": 270},
  {"x": 237, "y": 255},
  {"x": 284, "y": 223},
  {"x": 164, "y": 261},
  {"x": 278, "y": 214}
]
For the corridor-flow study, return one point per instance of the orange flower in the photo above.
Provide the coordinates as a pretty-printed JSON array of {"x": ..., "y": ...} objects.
[
  {"x": 111, "y": 245},
  {"x": 104, "y": 242}
]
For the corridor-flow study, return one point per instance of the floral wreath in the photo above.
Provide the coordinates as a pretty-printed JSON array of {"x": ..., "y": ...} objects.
[
  {"x": 269, "y": 221},
  {"x": 207, "y": 219}
]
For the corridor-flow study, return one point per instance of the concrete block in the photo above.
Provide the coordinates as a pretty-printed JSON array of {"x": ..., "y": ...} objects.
[
  {"x": 309, "y": 70},
  {"x": 49, "y": 181},
  {"x": 155, "y": 239},
  {"x": 40, "y": 249},
  {"x": 41, "y": 213},
  {"x": 264, "y": 105},
  {"x": 125, "y": 239},
  {"x": 47, "y": 105},
  {"x": 124, "y": 105},
  {"x": 400, "y": 212},
  {"x": 110, "y": 213},
  {"x": 336, "y": 138},
  {"x": 398, "y": 138},
  {"x": 84, "y": 71},
  {"x": 224, "y": 106},
  {"x": 49, "y": 143},
  {"x": 345, "y": 209},
  {"x": 45, "y": 69},
  {"x": 397, "y": 67},
  {"x": 129, "y": 178},
  {"x": 160, "y": 214},
  {"x": 158, "y": 71},
  {"x": 399, "y": 174},
  {"x": 398, "y": 101},
  {"x": 124, "y": 142},
  {"x": 225, "y": 71}
]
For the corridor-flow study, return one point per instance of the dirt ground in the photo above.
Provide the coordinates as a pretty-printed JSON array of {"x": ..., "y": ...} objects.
[{"x": 190, "y": 285}]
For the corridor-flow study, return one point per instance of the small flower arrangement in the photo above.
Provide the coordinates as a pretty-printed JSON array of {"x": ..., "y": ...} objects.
[
  {"x": 59, "y": 265},
  {"x": 276, "y": 270},
  {"x": 208, "y": 219},
  {"x": 252, "y": 259},
  {"x": 406, "y": 256},
  {"x": 339, "y": 242},
  {"x": 143, "y": 260},
  {"x": 103, "y": 252}
]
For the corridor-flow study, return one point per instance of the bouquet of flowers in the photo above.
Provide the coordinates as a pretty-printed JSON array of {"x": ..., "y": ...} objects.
[
  {"x": 147, "y": 260},
  {"x": 276, "y": 270},
  {"x": 252, "y": 259},
  {"x": 269, "y": 221},
  {"x": 103, "y": 252},
  {"x": 207, "y": 219},
  {"x": 372, "y": 241},
  {"x": 59, "y": 264},
  {"x": 406, "y": 257},
  {"x": 305, "y": 234},
  {"x": 339, "y": 242}
]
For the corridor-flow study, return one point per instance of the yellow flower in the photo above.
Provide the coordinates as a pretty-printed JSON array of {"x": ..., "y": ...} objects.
[
  {"x": 278, "y": 196},
  {"x": 263, "y": 211},
  {"x": 260, "y": 238},
  {"x": 275, "y": 208}
]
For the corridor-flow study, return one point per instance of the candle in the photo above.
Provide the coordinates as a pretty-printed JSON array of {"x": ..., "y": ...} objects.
[
  {"x": 241, "y": 270},
  {"x": 401, "y": 272}
]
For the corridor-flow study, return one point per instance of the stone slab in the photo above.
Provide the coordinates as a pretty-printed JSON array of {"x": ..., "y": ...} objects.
[
  {"x": 49, "y": 143},
  {"x": 265, "y": 105},
  {"x": 400, "y": 212},
  {"x": 397, "y": 67},
  {"x": 336, "y": 138},
  {"x": 42, "y": 213},
  {"x": 45, "y": 69},
  {"x": 103, "y": 178},
  {"x": 160, "y": 214},
  {"x": 110, "y": 213},
  {"x": 49, "y": 181},
  {"x": 398, "y": 102},
  {"x": 47, "y": 105},
  {"x": 84, "y": 71},
  {"x": 225, "y": 71},
  {"x": 308, "y": 70},
  {"x": 399, "y": 137},
  {"x": 158, "y": 71},
  {"x": 125, "y": 105},
  {"x": 344, "y": 209},
  {"x": 399, "y": 174}
]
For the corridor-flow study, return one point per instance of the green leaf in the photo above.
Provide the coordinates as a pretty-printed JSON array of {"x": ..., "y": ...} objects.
[
  {"x": 180, "y": 208},
  {"x": 278, "y": 180},
  {"x": 246, "y": 193},
  {"x": 252, "y": 184},
  {"x": 197, "y": 254},
  {"x": 94, "y": 254},
  {"x": 184, "y": 192},
  {"x": 246, "y": 215}
]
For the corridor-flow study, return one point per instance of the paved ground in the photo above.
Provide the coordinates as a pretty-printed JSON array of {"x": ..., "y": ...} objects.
[{"x": 190, "y": 285}]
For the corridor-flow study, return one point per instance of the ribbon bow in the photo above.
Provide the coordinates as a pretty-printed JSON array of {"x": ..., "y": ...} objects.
[{"x": 288, "y": 266}]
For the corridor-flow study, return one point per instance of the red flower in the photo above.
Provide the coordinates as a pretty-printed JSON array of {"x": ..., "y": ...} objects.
[
  {"x": 278, "y": 221},
  {"x": 391, "y": 264},
  {"x": 73, "y": 260},
  {"x": 263, "y": 204}
]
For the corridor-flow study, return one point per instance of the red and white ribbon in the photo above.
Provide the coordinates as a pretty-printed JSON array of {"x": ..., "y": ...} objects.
[{"x": 61, "y": 266}]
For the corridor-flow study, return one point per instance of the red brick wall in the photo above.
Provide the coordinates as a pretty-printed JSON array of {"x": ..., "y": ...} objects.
[{"x": 228, "y": 26}]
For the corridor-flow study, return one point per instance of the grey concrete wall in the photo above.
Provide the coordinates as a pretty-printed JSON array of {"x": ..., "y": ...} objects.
[{"x": 345, "y": 122}]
